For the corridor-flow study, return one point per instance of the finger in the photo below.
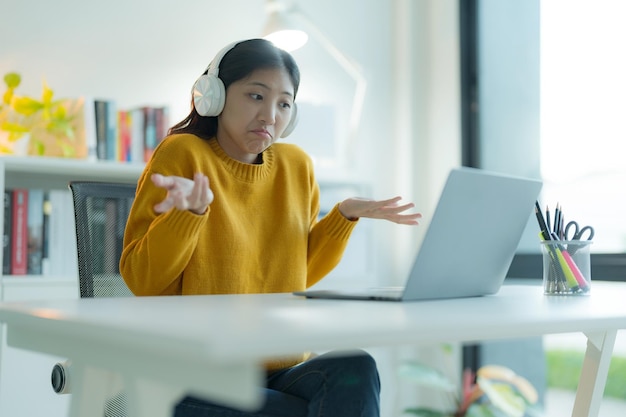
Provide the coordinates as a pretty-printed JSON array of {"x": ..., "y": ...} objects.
[
  {"x": 163, "y": 206},
  {"x": 389, "y": 202},
  {"x": 196, "y": 199},
  {"x": 399, "y": 209},
  {"x": 407, "y": 219},
  {"x": 160, "y": 180},
  {"x": 199, "y": 192},
  {"x": 207, "y": 195},
  {"x": 179, "y": 199}
]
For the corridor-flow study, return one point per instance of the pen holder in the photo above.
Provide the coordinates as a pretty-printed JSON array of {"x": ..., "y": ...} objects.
[{"x": 566, "y": 267}]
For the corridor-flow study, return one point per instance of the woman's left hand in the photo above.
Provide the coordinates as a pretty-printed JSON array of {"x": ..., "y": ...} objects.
[{"x": 354, "y": 208}]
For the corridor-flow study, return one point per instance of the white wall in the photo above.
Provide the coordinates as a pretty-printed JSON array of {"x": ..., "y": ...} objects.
[{"x": 141, "y": 52}]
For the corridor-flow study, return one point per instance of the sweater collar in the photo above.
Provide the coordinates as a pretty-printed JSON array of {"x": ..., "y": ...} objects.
[{"x": 241, "y": 170}]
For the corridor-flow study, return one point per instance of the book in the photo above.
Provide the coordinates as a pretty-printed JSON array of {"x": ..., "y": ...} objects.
[
  {"x": 91, "y": 141},
  {"x": 62, "y": 250},
  {"x": 162, "y": 123},
  {"x": 34, "y": 224},
  {"x": 6, "y": 236},
  {"x": 45, "y": 252},
  {"x": 150, "y": 132},
  {"x": 19, "y": 232},
  {"x": 137, "y": 127},
  {"x": 123, "y": 136},
  {"x": 112, "y": 136},
  {"x": 156, "y": 122},
  {"x": 101, "y": 119}
]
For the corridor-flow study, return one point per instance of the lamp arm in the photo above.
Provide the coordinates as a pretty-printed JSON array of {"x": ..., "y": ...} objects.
[{"x": 349, "y": 66}]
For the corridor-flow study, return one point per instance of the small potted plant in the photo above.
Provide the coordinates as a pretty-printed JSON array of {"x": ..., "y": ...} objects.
[
  {"x": 45, "y": 126},
  {"x": 494, "y": 391}
]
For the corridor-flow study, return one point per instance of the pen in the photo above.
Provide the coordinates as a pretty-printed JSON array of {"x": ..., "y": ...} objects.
[
  {"x": 561, "y": 267},
  {"x": 542, "y": 224},
  {"x": 557, "y": 219},
  {"x": 580, "y": 279},
  {"x": 548, "y": 218}
]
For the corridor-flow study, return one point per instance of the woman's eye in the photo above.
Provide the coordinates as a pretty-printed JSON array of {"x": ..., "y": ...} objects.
[
  {"x": 286, "y": 105},
  {"x": 256, "y": 96}
]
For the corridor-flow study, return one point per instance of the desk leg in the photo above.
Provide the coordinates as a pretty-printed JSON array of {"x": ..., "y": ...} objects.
[
  {"x": 151, "y": 399},
  {"x": 594, "y": 373},
  {"x": 89, "y": 390}
]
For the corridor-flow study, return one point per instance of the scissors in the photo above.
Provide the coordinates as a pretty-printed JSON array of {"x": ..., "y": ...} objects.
[
  {"x": 572, "y": 248},
  {"x": 578, "y": 231}
]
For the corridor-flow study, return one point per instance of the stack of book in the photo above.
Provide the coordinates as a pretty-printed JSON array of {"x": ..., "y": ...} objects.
[
  {"x": 39, "y": 235},
  {"x": 126, "y": 135}
]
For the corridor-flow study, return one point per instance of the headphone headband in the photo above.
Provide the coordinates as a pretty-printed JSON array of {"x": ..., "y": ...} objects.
[
  {"x": 209, "y": 93},
  {"x": 214, "y": 66}
]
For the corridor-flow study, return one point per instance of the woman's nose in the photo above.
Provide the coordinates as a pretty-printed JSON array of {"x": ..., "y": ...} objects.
[{"x": 267, "y": 115}]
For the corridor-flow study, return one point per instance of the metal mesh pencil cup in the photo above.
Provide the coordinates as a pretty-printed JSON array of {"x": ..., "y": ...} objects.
[{"x": 566, "y": 267}]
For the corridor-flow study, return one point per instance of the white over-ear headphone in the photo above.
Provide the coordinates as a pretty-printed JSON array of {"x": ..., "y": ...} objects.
[{"x": 209, "y": 94}]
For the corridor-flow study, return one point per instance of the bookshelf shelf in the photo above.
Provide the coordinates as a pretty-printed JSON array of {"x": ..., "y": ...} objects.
[{"x": 43, "y": 172}]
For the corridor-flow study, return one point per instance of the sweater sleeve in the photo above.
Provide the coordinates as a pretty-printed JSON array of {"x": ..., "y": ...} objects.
[
  {"x": 157, "y": 247},
  {"x": 328, "y": 239}
]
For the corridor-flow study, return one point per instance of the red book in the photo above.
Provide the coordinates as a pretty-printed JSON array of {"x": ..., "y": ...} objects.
[
  {"x": 19, "y": 233},
  {"x": 123, "y": 132}
]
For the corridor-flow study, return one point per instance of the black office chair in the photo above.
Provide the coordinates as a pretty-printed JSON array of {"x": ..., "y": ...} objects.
[{"x": 100, "y": 212}]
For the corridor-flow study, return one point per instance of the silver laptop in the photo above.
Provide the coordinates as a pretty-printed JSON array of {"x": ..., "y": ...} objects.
[{"x": 469, "y": 244}]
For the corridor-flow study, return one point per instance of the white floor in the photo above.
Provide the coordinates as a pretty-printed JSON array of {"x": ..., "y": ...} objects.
[{"x": 560, "y": 403}]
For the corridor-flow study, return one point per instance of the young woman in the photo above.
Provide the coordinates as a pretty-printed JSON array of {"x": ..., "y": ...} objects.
[{"x": 221, "y": 208}]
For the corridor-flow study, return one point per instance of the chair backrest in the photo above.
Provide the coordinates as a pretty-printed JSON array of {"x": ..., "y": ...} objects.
[{"x": 101, "y": 211}]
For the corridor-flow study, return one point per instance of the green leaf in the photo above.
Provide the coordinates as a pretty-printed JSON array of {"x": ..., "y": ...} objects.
[
  {"x": 13, "y": 127},
  {"x": 46, "y": 94},
  {"x": 7, "y": 96},
  {"x": 479, "y": 410},
  {"x": 68, "y": 151},
  {"x": 40, "y": 148},
  {"x": 60, "y": 127},
  {"x": 59, "y": 111},
  {"x": 426, "y": 376},
  {"x": 12, "y": 79},
  {"x": 426, "y": 412},
  {"x": 26, "y": 105}
]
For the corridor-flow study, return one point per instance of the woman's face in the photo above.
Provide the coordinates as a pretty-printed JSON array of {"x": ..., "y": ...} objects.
[{"x": 256, "y": 112}]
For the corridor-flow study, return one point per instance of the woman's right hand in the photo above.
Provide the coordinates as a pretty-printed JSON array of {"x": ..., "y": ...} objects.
[{"x": 183, "y": 193}]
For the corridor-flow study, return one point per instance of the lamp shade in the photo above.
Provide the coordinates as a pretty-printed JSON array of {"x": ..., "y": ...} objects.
[{"x": 281, "y": 31}]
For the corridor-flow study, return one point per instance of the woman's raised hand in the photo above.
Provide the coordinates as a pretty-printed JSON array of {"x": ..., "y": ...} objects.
[
  {"x": 183, "y": 193},
  {"x": 354, "y": 208}
]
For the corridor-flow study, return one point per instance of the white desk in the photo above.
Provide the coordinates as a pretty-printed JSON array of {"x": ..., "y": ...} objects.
[{"x": 214, "y": 344}]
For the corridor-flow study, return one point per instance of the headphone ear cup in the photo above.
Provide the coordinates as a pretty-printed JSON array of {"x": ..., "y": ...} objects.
[
  {"x": 209, "y": 95},
  {"x": 293, "y": 121}
]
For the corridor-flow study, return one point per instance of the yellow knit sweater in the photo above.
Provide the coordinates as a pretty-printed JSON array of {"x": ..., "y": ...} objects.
[{"x": 261, "y": 234}]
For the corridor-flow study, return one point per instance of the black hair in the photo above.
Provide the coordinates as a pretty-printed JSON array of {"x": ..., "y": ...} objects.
[{"x": 238, "y": 63}]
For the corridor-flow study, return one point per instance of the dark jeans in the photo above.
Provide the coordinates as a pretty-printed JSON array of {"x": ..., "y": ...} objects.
[{"x": 331, "y": 385}]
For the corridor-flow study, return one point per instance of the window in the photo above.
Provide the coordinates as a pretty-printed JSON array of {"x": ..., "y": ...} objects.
[{"x": 583, "y": 113}]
